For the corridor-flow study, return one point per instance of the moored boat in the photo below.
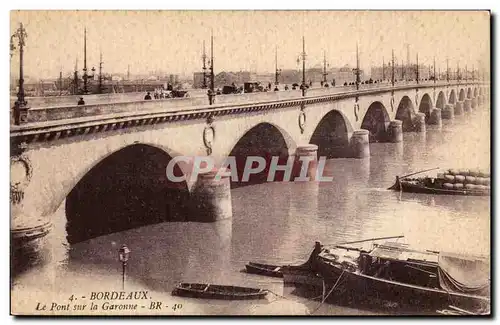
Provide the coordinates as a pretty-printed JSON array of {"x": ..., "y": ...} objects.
[
  {"x": 264, "y": 269},
  {"x": 397, "y": 272},
  {"x": 213, "y": 291},
  {"x": 450, "y": 182}
]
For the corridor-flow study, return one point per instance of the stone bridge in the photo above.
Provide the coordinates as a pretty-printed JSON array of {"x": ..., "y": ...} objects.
[{"x": 95, "y": 164}]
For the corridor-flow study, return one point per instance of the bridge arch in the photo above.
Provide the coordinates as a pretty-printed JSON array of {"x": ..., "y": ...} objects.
[
  {"x": 331, "y": 135},
  {"x": 405, "y": 113},
  {"x": 441, "y": 100},
  {"x": 376, "y": 121},
  {"x": 469, "y": 93},
  {"x": 265, "y": 140},
  {"x": 127, "y": 188},
  {"x": 453, "y": 97},
  {"x": 425, "y": 106},
  {"x": 461, "y": 95}
]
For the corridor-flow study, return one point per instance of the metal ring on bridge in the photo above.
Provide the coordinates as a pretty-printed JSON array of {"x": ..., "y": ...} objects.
[
  {"x": 302, "y": 121},
  {"x": 21, "y": 173},
  {"x": 208, "y": 138}
]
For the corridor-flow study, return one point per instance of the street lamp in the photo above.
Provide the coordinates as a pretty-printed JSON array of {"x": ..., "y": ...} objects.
[
  {"x": 211, "y": 91},
  {"x": 124, "y": 254},
  {"x": 21, "y": 105},
  {"x": 304, "y": 55}
]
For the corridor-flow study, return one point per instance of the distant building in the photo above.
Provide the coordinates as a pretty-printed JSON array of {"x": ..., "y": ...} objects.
[
  {"x": 346, "y": 74},
  {"x": 228, "y": 78},
  {"x": 401, "y": 72}
]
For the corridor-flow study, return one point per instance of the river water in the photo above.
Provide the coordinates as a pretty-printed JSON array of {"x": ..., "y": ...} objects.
[{"x": 279, "y": 223}]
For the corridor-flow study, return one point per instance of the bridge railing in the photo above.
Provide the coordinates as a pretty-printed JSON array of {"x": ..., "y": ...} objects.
[{"x": 169, "y": 105}]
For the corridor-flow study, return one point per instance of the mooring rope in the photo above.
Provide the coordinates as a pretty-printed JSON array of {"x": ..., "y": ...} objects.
[
  {"x": 278, "y": 295},
  {"x": 326, "y": 297}
]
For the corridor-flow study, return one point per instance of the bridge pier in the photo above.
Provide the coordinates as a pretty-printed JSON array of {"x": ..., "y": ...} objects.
[
  {"x": 360, "y": 144},
  {"x": 28, "y": 229},
  {"x": 28, "y": 234},
  {"x": 448, "y": 112},
  {"x": 473, "y": 103},
  {"x": 467, "y": 105},
  {"x": 395, "y": 131},
  {"x": 211, "y": 198},
  {"x": 306, "y": 156},
  {"x": 435, "y": 117},
  {"x": 459, "y": 108},
  {"x": 419, "y": 122}
]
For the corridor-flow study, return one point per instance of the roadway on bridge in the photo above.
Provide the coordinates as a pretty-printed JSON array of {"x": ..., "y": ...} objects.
[{"x": 96, "y": 99}]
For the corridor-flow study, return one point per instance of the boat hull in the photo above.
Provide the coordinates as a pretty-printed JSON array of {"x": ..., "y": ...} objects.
[
  {"x": 416, "y": 188},
  {"x": 369, "y": 286},
  {"x": 302, "y": 277},
  {"x": 264, "y": 269},
  {"x": 218, "y": 292}
]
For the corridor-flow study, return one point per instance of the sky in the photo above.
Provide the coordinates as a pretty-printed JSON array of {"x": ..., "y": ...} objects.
[{"x": 172, "y": 41}]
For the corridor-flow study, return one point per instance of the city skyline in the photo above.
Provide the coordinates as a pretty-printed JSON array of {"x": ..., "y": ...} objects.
[{"x": 246, "y": 40}]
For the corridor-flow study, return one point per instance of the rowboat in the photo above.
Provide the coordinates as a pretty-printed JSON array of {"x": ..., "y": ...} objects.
[
  {"x": 264, "y": 269},
  {"x": 213, "y": 291},
  {"x": 397, "y": 272}
]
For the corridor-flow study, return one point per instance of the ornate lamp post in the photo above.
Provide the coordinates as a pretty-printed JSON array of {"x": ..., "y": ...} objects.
[
  {"x": 124, "y": 254},
  {"x": 383, "y": 69},
  {"x": 417, "y": 71},
  {"x": 278, "y": 71},
  {"x": 434, "y": 70},
  {"x": 204, "y": 68},
  {"x": 325, "y": 74},
  {"x": 357, "y": 71},
  {"x": 447, "y": 72},
  {"x": 303, "y": 54},
  {"x": 211, "y": 91},
  {"x": 21, "y": 105},
  {"x": 392, "y": 70}
]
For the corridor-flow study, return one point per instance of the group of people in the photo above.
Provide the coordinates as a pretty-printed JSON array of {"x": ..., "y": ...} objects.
[{"x": 159, "y": 93}]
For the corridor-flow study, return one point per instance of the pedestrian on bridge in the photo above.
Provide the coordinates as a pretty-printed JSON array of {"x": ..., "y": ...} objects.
[
  {"x": 147, "y": 97},
  {"x": 81, "y": 101}
]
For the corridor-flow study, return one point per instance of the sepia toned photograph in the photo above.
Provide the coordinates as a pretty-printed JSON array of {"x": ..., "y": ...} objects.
[{"x": 250, "y": 163}]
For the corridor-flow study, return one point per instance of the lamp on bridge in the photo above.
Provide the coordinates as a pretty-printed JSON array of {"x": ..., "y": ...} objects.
[
  {"x": 21, "y": 105},
  {"x": 124, "y": 254}
]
